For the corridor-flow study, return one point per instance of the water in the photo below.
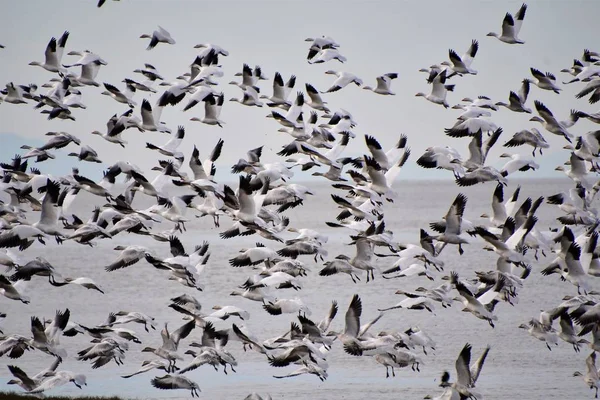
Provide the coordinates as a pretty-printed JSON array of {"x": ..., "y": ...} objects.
[{"x": 517, "y": 366}]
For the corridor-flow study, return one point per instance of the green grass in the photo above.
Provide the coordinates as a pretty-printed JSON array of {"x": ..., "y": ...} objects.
[{"x": 22, "y": 396}]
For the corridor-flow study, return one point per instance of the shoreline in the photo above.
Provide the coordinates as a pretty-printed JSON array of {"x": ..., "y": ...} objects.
[{"x": 25, "y": 395}]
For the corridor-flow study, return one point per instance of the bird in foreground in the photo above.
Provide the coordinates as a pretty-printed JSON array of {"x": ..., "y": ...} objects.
[
  {"x": 591, "y": 377},
  {"x": 466, "y": 375},
  {"x": 159, "y": 36},
  {"x": 545, "y": 81},
  {"x": 511, "y": 26},
  {"x": 53, "y": 54},
  {"x": 60, "y": 378},
  {"x": 462, "y": 65},
  {"x": 439, "y": 89},
  {"x": 343, "y": 80},
  {"x": 384, "y": 83},
  {"x": 176, "y": 382}
]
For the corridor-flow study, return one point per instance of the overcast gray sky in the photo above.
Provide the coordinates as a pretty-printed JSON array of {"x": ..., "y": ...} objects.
[{"x": 376, "y": 36}]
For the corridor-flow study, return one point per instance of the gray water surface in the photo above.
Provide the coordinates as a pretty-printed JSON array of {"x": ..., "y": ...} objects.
[{"x": 518, "y": 365}]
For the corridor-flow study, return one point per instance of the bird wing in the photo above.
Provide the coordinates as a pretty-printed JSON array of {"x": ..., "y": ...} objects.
[
  {"x": 455, "y": 213},
  {"x": 353, "y": 316},
  {"x": 476, "y": 368},
  {"x": 519, "y": 17},
  {"x": 463, "y": 373},
  {"x": 508, "y": 26}
]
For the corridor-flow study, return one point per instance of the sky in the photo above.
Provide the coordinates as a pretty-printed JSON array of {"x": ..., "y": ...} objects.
[{"x": 377, "y": 37}]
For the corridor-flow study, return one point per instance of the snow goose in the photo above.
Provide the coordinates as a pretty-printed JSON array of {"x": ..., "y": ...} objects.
[
  {"x": 124, "y": 317},
  {"x": 281, "y": 91},
  {"x": 381, "y": 183},
  {"x": 249, "y": 78},
  {"x": 366, "y": 210},
  {"x": 471, "y": 111},
  {"x": 339, "y": 265},
  {"x": 461, "y": 65},
  {"x": 509, "y": 249},
  {"x": 315, "y": 101},
  {"x": 103, "y": 351},
  {"x": 150, "y": 72},
  {"x": 467, "y": 374},
  {"x": 587, "y": 147},
  {"x": 439, "y": 90},
  {"x": 412, "y": 303},
  {"x": 440, "y": 294},
  {"x": 499, "y": 208},
  {"x": 517, "y": 162},
  {"x": 10, "y": 291},
  {"x": 121, "y": 97},
  {"x": 549, "y": 122},
  {"x": 36, "y": 267},
  {"x": 325, "y": 54},
  {"x": 480, "y": 175},
  {"x": 541, "y": 332},
  {"x": 591, "y": 69},
  {"x": 151, "y": 120},
  {"x": 286, "y": 306},
  {"x": 591, "y": 377},
  {"x": 85, "y": 57},
  {"x": 60, "y": 378},
  {"x": 511, "y": 26},
  {"x": 176, "y": 382},
  {"x": 117, "y": 125},
  {"x": 147, "y": 366},
  {"x": 452, "y": 232},
  {"x": 224, "y": 312},
  {"x": 323, "y": 41},
  {"x": 578, "y": 171},
  {"x": 471, "y": 126},
  {"x": 48, "y": 222},
  {"x": 14, "y": 94},
  {"x": 531, "y": 137},
  {"x": 472, "y": 303},
  {"x": 27, "y": 382},
  {"x": 517, "y": 100},
  {"x": 441, "y": 158},
  {"x": 250, "y": 97},
  {"x": 482, "y": 102},
  {"x": 40, "y": 155},
  {"x": 212, "y": 110},
  {"x": 385, "y": 159},
  {"x": 308, "y": 368},
  {"x": 567, "y": 331},
  {"x": 86, "y": 153},
  {"x": 206, "y": 356},
  {"x": 545, "y": 81},
  {"x": 159, "y": 36},
  {"x": 47, "y": 340},
  {"x": 85, "y": 282},
  {"x": 384, "y": 83},
  {"x": 343, "y": 80},
  {"x": 88, "y": 185},
  {"x": 253, "y": 256},
  {"x": 53, "y": 54},
  {"x": 170, "y": 148},
  {"x": 90, "y": 67},
  {"x": 199, "y": 95},
  {"x": 138, "y": 86},
  {"x": 574, "y": 273},
  {"x": 21, "y": 236},
  {"x": 206, "y": 47},
  {"x": 363, "y": 259},
  {"x": 592, "y": 87}
]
